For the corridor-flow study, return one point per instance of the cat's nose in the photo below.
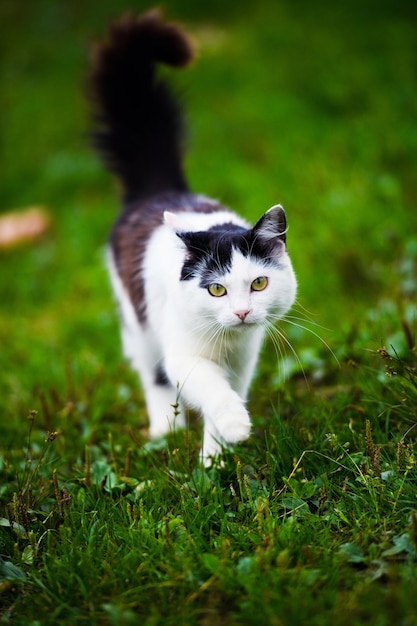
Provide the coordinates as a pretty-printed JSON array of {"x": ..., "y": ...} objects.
[{"x": 242, "y": 314}]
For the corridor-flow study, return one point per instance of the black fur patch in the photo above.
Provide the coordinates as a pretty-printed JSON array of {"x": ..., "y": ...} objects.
[
  {"x": 161, "y": 378},
  {"x": 209, "y": 253}
]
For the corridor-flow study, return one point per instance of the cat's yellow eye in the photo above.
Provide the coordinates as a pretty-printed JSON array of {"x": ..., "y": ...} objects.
[
  {"x": 259, "y": 283},
  {"x": 217, "y": 290}
]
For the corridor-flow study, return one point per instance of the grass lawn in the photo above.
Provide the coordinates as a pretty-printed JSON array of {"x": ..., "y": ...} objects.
[{"x": 314, "y": 519}]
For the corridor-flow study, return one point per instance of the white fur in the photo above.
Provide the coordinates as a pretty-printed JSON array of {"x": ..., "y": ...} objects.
[{"x": 208, "y": 354}]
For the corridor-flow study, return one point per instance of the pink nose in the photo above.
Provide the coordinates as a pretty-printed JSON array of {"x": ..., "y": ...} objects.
[{"x": 242, "y": 314}]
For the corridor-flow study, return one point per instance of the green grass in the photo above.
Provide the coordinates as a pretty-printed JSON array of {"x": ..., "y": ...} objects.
[{"x": 314, "y": 519}]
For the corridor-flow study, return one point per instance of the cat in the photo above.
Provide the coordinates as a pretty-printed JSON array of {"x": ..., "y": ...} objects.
[{"x": 197, "y": 285}]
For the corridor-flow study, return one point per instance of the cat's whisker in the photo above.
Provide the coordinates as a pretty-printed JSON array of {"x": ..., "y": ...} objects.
[
  {"x": 303, "y": 315},
  {"x": 286, "y": 320},
  {"x": 303, "y": 310},
  {"x": 275, "y": 342},
  {"x": 217, "y": 340},
  {"x": 212, "y": 334},
  {"x": 303, "y": 319},
  {"x": 276, "y": 335}
]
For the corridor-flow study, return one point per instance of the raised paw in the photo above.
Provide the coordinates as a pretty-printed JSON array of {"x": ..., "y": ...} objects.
[{"x": 233, "y": 423}]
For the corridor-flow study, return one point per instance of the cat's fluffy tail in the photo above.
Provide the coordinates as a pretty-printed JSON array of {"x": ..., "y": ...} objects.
[{"x": 139, "y": 130}]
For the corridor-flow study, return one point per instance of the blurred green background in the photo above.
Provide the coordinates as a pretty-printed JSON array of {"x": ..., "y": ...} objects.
[{"x": 305, "y": 102}]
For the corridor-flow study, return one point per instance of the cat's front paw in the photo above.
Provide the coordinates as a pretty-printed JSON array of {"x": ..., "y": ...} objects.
[{"x": 233, "y": 423}]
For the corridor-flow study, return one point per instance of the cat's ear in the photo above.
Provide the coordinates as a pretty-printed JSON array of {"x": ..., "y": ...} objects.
[
  {"x": 176, "y": 222},
  {"x": 272, "y": 225}
]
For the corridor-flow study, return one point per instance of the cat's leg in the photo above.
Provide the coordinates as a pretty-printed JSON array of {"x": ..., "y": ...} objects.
[
  {"x": 241, "y": 367},
  {"x": 140, "y": 348},
  {"x": 204, "y": 386},
  {"x": 242, "y": 362},
  {"x": 162, "y": 399},
  {"x": 164, "y": 410}
]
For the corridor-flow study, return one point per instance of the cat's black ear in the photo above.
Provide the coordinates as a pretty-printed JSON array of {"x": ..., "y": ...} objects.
[{"x": 272, "y": 225}]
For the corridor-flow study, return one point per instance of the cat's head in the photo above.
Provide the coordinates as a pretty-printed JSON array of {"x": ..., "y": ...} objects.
[{"x": 238, "y": 276}]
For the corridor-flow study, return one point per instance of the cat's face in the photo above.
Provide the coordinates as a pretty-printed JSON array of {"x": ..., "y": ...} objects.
[
  {"x": 237, "y": 277},
  {"x": 248, "y": 293}
]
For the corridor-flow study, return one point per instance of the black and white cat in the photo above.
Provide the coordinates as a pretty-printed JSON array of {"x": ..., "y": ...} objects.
[{"x": 197, "y": 285}]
